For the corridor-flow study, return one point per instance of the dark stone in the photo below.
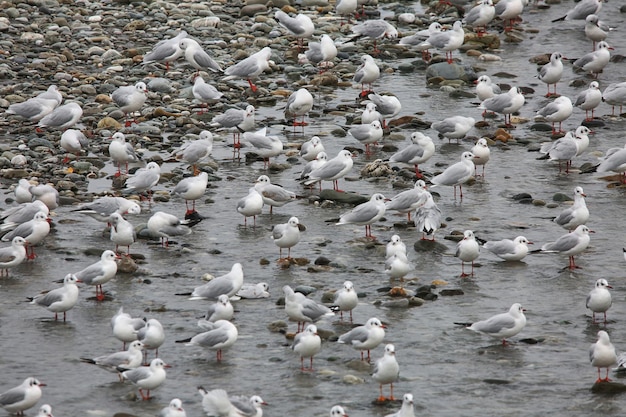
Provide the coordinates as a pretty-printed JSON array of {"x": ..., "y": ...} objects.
[
  {"x": 322, "y": 260},
  {"x": 343, "y": 197},
  {"x": 451, "y": 292}
]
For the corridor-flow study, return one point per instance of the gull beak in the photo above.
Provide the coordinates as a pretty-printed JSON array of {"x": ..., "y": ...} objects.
[{"x": 530, "y": 243}]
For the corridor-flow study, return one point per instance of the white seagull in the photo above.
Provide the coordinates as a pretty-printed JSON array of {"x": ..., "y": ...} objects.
[
  {"x": 220, "y": 335},
  {"x": 419, "y": 151},
  {"x": 482, "y": 153},
  {"x": 227, "y": 284},
  {"x": 366, "y": 213},
  {"x": 22, "y": 397},
  {"x": 121, "y": 152},
  {"x": 454, "y": 127},
  {"x": 594, "y": 62},
  {"x": 122, "y": 232},
  {"x": 557, "y": 111},
  {"x": 299, "y": 103},
  {"x": 311, "y": 148},
  {"x": 147, "y": 378},
  {"x": 12, "y": 256},
  {"x": 367, "y": 134},
  {"x": 250, "y": 205},
  {"x": 501, "y": 326},
  {"x": 602, "y": 355},
  {"x": 365, "y": 337},
  {"x": 575, "y": 215},
  {"x": 263, "y": 145},
  {"x": 505, "y": 103},
  {"x": 551, "y": 72},
  {"x": 59, "y": 300},
  {"x": 589, "y": 99},
  {"x": 217, "y": 403},
  {"x": 273, "y": 195},
  {"x": 599, "y": 299},
  {"x": 307, "y": 344},
  {"x": 99, "y": 273},
  {"x": 130, "y": 98},
  {"x": 191, "y": 189},
  {"x": 62, "y": 117},
  {"x": 507, "y": 249},
  {"x": 197, "y": 57},
  {"x": 457, "y": 174},
  {"x": 303, "y": 310},
  {"x": 570, "y": 244},
  {"x": 448, "y": 41},
  {"x": 467, "y": 250},
  {"x": 387, "y": 371},
  {"x": 346, "y": 299},
  {"x": 286, "y": 235},
  {"x": 250, "y": 67},
  {"x": 167, "y": 50},
  {"x": 427, "y": 216}
]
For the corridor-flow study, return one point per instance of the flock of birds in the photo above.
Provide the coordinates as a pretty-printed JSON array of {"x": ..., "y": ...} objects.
[{"x": 26, "y": 225}]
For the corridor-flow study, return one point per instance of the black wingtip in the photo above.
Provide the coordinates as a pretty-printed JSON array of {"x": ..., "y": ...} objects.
[
  {"x": 334, "y": 309},
  {"x": 183, "y": 293},
  {"x": 463, "y": 324},
  {"x": 184, "y": 340}
]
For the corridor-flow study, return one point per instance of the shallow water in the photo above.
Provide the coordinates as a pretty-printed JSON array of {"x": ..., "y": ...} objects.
[{"x": 449, "y": 370}]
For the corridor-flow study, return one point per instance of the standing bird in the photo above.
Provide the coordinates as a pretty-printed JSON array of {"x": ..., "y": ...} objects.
[
  {"x": 167, "y": 50},
  {"x": 59, "y": 300},
  {"x": 191, "y": 189},
  {"x": 222, "y": 309},
  {"x": 485, "y": 88},
  {"x": 299, "y": 104},
  {"x": 419, "y": 151},
  {"x": 480, "y": 16},
  {"x": 130, "y": 99},
  {"x": 454, "y": 127},
  {"x": 615, "y": 95},
  {"x": 307, "y": 344},
  {"x": 12, "y": 256},
  {"x": 557, "y": 111},
  {"x": 505, "y": 104},
  {"x": 370, "y": 114},
  {"x": 427, "y": 216},
  {"x": 407, "y": 405},
  {"x": 365, "y": 337},
  {"x": 127, "y": 359},
  {"x": 408, "y": 200},
  {"x": 33, "y": 231},
  {"x": 35, "y": 108},
  {"x": 273, "y": 195},
  {"x": 46, "y": 193},
  {"x": 303, "y": 310},
  {"x": 194, "y": 151},
  {"x": 125, "y": 327},
  {"x": 101, "y": 208},
  {"x": 240, "y": 120},
  {"x": 332, "y": 170},
  {"x": 501, "y": 326},
  {"x": 457, "y": 174},
  {"x": 151, "y": 336},
  {"x": 205, "y": 93},
  {"x": 507, "y": 249},
  {"x": 300, "y": 26},
  {"x": 365, "y": 214},
  {"x": 594, "y": 62},
  {"x": 346, "y": 8},
  {"x": 250, "y": 205},
  {"x": 366, "y": 74},
  {"x": 563, "y": 150},
  {"x": 448, "y": 41},
  {"x": 121, "y": 152},
  {"x": 147, "y": 378},
  {"x": 570, "y": 244},
  {"x": 599, "y": 299},
  {"x": 250, "y": 67},
  {"x": 395, "y": 246},
  {"x": 219, "y": 336},
  {"x": 174, "y": 409},
  {"x": 227, "y": 284},
  {"x": 144, "y": 179},
  {"x": 62, "y": 117},
  {"x": 589, "y": 99},
  {"x": 602, "y": 355},
  {"x": 387, "y": 105},
  {"x": 198, "y": 57},
  {"x": 311, "y": 148},
  {"x": 374, "y": 29},
  {"x": 99, "y": 273},
  {"x": 595, "y": 30},
  {"x": 467, "y": 250},
  {"x": 481, "y": 154},
  {"x": 286, "y": 235},
  {"x": 577, "y": 214},
  {"x": 322, "y": 53},
  {"x": 367, "y": 134},
  {"x": 582, "y": 9},
  {"x": 122, "y": 232},
  {"x": 346, "y": 299},
  {"x": 265, "y": 146},
  {"x": 509, "y": 11},
  {"x": 73, "y": 141},
  {"x": 22, "y": 397},
  {"x": 387, "y": 371},
  {"x": 551, "y": 72},
  {"x": 218, "y": 403}
]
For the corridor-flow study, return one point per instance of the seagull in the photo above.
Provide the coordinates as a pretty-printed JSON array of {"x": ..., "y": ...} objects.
[
  {"x": 127, "y": 359},
  {"x": 367, "y": 134},
  {"x": 457, "y": 174},
  {"x": 174, "y": 409},
  {"x": 485, "y": 88},
  {"x": 59, "y": 300},
  {"x": 507, "y": 249},
  {"x": 582, "y": 9},
  {"x": 250, "y": 205},
  {"x": 366, "y": 73},
  {"x": 454, "y": 127},
  {"x": 121, "y": 152},
  {"x": 205, "y": 93},
  {"x": 370, "y": 114},
  {"x": 614, "y": 160},
  {"x": 130, "y": 98},
  {"x": 286, "y": 235},
  {"x": 299, "y": 104},
  {"x": 222, "y": 309},
  {"x": 198, "y": 57},
  {"x": 45, "y": 193},
  {"x": 303, "y": 310},
  {"x": 62, "y": 117},
  {"x": 557, "y": 111},
  {"x": 374, "y": 29},
  {"x": 599, "y": 299},
  {"x": 36, "y": 108},
  {"x": 219, "y": 336},
  {"x": 387, "y": 371},
  {"x": 99, "y": 273},
  {"x": 152, "y": 336},
  {"x": 167, "y": 50},
  {"x": 346, "y": 299},
  {"x": 191, "y": 189},
  {"x": 322, "y": 53},
  {"x": 311, "y": 148},
  {"x": 346, "y": 8},
  {"x": 240, "y": 120},
  {"x": 595, "y": 30},
  {"x": 45, "y": 411},
  {"x": 194, "y": 151},
  {"x": 250, "y": 67},
  {"x": 307, "y": 344},
  {"x": 427, "y": 216},
  {"x": 615, "y": 95},
  {"x": 125, "y": 327},
  {"x": 467, "y": 250},
  {"x": 254, "y": 291},
  {"x": 265, "y": 146},
  {"x": 73, "y": 141},
  {"x": 300, "y": 26},
  {"x": 227, "y": 284},
  {"x": 22, "y": 397},
  {"x": 501, "y": 326},
  {"x": 273, "y": 195},
  {"x": 365, "y": 337},
  {"x": 420, "y": 36},
  {"x": 481, "y": 154},
  {"x": 582, "y": 134},
  {"x": 33, "y": 231},
  {"x": 337, "y": 410},
  {"x": 22, "y": 191},
  {"x": 509, "y": 11},
  {"x": 14, "y": 216},
  {"x": 570, "y": 244},
  {"x": 589, "y": 99},
  {"x": 397, "y": 266},
  {"x": 505, "y": 103},
  {"x": 419, "y": 151},
  {"x": 408, "y": 200},
  {"x": 147, "y": 378},
  {"x": 144, "y": 179},
  {"x": 122, "y": 232},
  {"x": 551, "y": 72},
  {"x": 217, "y": 403},
  {"x": 12, "y": 256},
  {"x": 407, "y": 405},
  {"x": 101, "y": 208},
  {"x": 332, "y": 170},
  {"x": 563, "y": 149},
  {"x": 602, "y": 355},
  {"x": 366, "y": 214},
  {"x": 594, "y": 62},
  {"x": 395, "y": 246},
  {"x": 387, "y": 105},
  {"x": 480, "y": 16},
  {"x": 448, "y": 41},
  {"x": 577, "y": 214}
]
